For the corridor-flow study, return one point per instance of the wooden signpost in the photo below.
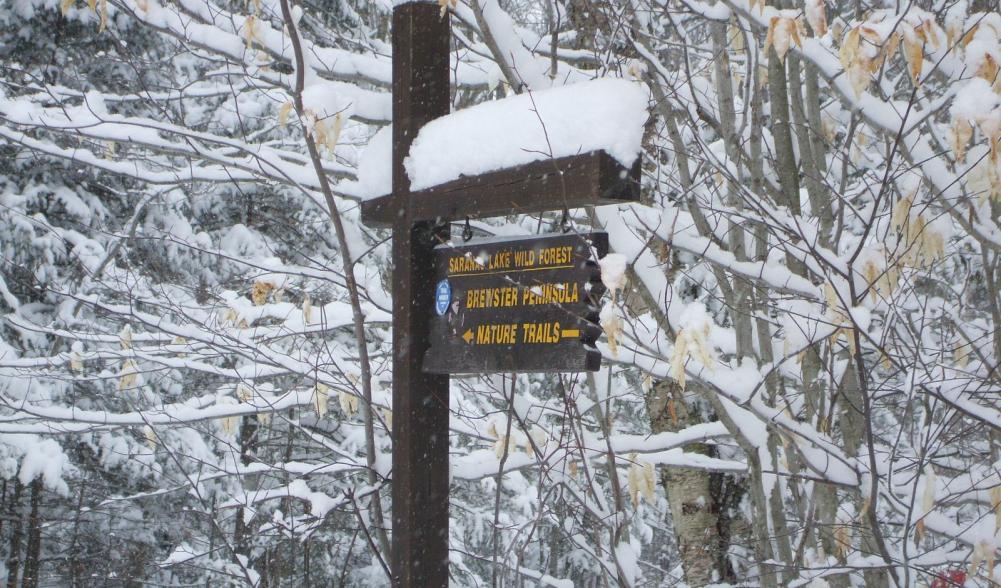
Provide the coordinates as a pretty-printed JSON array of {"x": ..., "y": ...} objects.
[{"x": 420, "y": 223}]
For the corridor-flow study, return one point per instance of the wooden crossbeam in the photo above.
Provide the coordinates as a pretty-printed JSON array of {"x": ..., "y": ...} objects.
[{"x": 589, "y": 179}]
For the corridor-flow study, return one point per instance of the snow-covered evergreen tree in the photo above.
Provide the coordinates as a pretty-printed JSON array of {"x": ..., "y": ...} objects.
[{"x": 800, "y": 385}]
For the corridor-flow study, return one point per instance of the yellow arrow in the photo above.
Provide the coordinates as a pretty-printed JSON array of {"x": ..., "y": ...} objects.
[
  {"x": 468, "y": 336},
  {"x": 568, "y": 333}
]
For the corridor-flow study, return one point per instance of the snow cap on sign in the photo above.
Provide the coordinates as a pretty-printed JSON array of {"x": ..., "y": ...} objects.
[
  {"x": 375, "y": 167},
  {"x": 606, "y": 114}
]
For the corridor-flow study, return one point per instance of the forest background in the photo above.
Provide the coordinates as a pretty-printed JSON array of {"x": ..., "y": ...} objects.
[{"x": 801, "y": 383}]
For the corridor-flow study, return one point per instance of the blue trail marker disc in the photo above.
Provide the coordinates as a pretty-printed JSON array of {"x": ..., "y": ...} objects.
[{"x": 442, "y": 297}]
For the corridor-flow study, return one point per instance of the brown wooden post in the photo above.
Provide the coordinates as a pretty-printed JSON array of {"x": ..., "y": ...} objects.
[{"x": 420, "y": 401}]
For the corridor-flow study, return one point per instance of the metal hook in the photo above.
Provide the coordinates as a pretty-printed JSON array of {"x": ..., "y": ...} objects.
[
  {"x": 565, "y": 221},
  {"x": 467, "y": 231}
]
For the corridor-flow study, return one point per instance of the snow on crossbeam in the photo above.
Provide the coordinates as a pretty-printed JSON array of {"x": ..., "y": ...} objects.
[
  {"x": 601, "y": 115},
  {"x": 568, "y": 147}
]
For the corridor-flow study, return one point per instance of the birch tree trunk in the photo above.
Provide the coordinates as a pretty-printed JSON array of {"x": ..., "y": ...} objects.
[{"x": 699, "y": 500}]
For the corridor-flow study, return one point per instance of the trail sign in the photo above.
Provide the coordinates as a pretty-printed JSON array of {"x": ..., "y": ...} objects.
[
  {"x": 527, "y": 304},
  {"x": 420, "y": 222}
]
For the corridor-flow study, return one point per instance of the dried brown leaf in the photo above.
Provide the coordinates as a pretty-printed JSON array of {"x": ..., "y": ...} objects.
[
  {"x": 816, "y": 15},
  {"x": 969, "y": 35},
  {"x": 770, "y": 37},
  {"x": 914, "y": 55},
  {"x": 849, "y": 51}
]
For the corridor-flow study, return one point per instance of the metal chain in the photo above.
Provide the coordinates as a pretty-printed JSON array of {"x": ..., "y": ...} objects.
[{"x": 467, "y": 231}]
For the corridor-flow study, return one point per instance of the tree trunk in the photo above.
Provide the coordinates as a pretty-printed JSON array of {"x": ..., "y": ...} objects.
[
  {"x": 247, "y": 432},
  {"x": 698, "y": 499},
  {"x": 14, "y": 559},
  {"x": 32, "y": 562},
  {"x": 76, "y": 566},
  {"x": 853, "y": 430}
]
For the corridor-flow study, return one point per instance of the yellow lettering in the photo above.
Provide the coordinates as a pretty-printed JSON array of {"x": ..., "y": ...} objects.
[
  {"x": 541, "y": 332},
  {"x": 463, "y": 264},
  {"x": 558, "y": 293},
  {"x": 506, "y": 334},
  {"x": 524, "y": 258},
  {"x": 555, "y": 255},
  {"x": 491, "y": 297},
  {"x": 500, "y": 260}
]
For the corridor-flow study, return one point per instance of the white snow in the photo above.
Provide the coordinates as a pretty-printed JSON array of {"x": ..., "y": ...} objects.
[
  {"x": 606, "y": 114},
  {"x": 974, "y": 100},
  {"x": 861, "y": 316},
  {"x": 526, "y": 67},
  {"x": 181, "y": 554},
  {"x": 613, "y": 271},
  {"x": 375, "y": 167},
  {"x": 695, "y": 317},
  {"x": 325, "y": 100},
  {"x": 627, "y": 555},
  {"x": 45, "y": 458}
]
